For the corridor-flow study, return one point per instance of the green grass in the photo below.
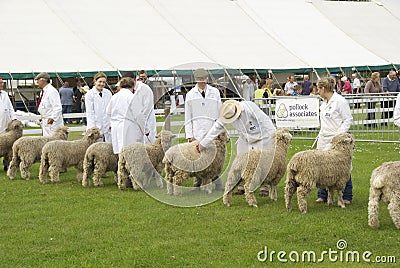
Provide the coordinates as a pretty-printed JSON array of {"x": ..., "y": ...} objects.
[{"x": 66, "y": 225}]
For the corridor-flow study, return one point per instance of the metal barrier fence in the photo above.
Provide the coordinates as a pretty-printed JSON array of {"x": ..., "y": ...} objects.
[{"x": 372, "y": 117}]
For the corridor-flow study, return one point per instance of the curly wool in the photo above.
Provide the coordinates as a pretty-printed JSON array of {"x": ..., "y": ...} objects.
[
  {"x": 183, "y": 161},
  {"x": 27, "y": 150},
  {"x": 59, "y": 155},
  {"x": 323, "y": 169},
  {"x": 99, "y": 158},
  {"x": 259, "y": 166},
  {"x": 7, "y": 139},
  {"x": 385, "y": 186},
  {"x": 138, "y": 157}
]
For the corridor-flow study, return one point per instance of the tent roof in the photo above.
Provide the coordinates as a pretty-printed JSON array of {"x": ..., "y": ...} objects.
[{"x": 92, "y": 35}]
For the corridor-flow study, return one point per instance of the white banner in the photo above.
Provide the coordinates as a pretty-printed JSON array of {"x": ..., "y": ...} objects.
[{"x": 301, "y": 112}]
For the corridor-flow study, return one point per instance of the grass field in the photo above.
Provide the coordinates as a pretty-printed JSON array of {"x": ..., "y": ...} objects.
[{"x": 66, "y": 225}]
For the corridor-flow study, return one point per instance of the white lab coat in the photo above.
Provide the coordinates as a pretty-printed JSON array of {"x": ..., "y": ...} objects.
[
  {"x": 335, "y": 119},
  {"x": 144, "y": 93},
  {"x": 96, "y": 111},
  {"x": 50, "y": 107},
  {"x": 396, "y": 115},
  {"x": 201, "y": 113},
  {"x": 248, "y": 91},
  {"x": 6, "y": 111},
  {"x": 127, "y": 121},
  {"x": 255, "y": 128}
]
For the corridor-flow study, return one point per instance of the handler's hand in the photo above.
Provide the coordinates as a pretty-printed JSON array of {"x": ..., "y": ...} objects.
[
  {"x": 200, "y": 147},
  {"x": 50, "y": 121},
  {"x": 191, "y": 139}
]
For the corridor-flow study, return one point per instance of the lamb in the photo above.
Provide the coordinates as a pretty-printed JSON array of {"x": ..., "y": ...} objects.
[
  {"x": 99, "y": 159},
  {"x": 385, "y": 186},
  {"x": 59, "y": 155},
  {"x": 183, "y": 161},
  {"x": 27, "y": 150},
  {"x": 7, "y": 139},
  {"x": 304, "y": 172},
  {"x": 138, "y": 157},
  {"x": 259, "y": 166}
]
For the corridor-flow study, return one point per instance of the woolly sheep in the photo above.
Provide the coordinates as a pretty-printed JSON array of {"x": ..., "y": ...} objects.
[
  {"x": 27, "y": 150},
  {"x": 99, "y": 158},
  {"x": 7, "y": 139},
  {"x": 183, "y": 161},
  {"x": 303, "y": 174},
  {"x": 59, "y": 155},
  {"x": 255, "y": 166},
  {"x": 138, "y": 157},
  {"x": 385, "y": 186}
]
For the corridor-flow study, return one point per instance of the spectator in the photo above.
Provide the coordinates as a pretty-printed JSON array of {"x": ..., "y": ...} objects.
[
  {"x": 78, "y": 98},
  {"x": 389, "y": 85},
  {"x": 346, "y": 86},
  {"x": 305, "y": 86},
  {"x": 338, "y": 85},
  {"x": 259, "y": 93},
  {"x": 7, "y": 113},
  {"x": 49, "y": 105},
  {"x": 372, "y": 86},
  {"x": 314, "y": 90},
  {"x": 297, "y": 90},
  {"x": 142, "y": 76},
  {"x": 268, "y": 89},
  {"x": 67, "y": 98},
  {"x": 96, "y": 101},
  {"x": 290, "y": 86},
  {"x": 248, "y": 89},
  {"x": 356, "y": 84},
  {"x": 84, "y": 90}
]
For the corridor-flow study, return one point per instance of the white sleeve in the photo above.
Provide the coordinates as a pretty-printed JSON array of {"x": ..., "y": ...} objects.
[
  {"x": 347, "y": 117},
  {"x": 215, "y": 130},
  {"x": 89, "y": 104},
  {"x": 396, "y": 116}
]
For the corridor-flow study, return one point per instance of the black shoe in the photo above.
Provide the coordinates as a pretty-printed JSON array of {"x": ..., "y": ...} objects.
[{"x": 239, "y": 192}]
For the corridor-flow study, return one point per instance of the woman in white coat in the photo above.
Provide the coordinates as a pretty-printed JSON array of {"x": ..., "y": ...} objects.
[
  {"x": 126, "y": 117},
  {"x": 145, "y": 94},
  {"x": 96, "y": 101},
  {"x": 6, "y": 109}
]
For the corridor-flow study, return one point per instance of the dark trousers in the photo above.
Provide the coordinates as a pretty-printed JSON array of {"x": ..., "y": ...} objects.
[
  {"x": 67, "y": 109},
  {"x": 347, "y": 193}
]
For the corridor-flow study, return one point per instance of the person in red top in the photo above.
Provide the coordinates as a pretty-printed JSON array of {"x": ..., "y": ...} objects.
[{"x": 347, "y": 86}]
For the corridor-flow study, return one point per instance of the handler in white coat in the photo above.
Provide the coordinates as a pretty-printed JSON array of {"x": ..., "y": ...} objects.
[
  {"x": 49, "y": 105},
  {"x": 126, "y": 117},
  {"x": 144, "y": 93},
  {"x": 7, "y": 113},
  {"x": 96, "y": 101}
]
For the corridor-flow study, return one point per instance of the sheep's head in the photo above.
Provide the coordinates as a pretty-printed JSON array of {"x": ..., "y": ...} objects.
[
  {"x": 165, "y": 138},
  {"x": 343, "y": 140},
  {"x": 15, "y": 125},
  {"x": 282, "y": 135},
  {"x": 61, "y": 133},
  {"x": 93, "y": 134},
  {"x": 223, "y": 137}
]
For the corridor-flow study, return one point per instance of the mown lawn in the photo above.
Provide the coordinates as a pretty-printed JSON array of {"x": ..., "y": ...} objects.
[{"x": 66, "y": 225}]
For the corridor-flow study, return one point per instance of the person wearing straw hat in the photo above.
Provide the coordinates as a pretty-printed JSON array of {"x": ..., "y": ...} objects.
[
  {"x": 201, "y": 110},
  {"x": 49, "y": 105},
  {"x": 7, "y": 113},
  {"x": 255, "y": 128}
]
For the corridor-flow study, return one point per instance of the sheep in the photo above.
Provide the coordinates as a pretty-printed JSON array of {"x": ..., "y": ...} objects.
[
  {"x": 304, "y": 173},
  {"x": 7, "y": 139},
  {"x": 385, "y": 185},
  {"x": 183, "y": 161},
  {"x": 255, "y": 167},
  {"x": 99, "y": 158},
  {"x": 59, "y": 155},
  {"x": 138, "y": 157},
  {"x": 27, "y": 150}
]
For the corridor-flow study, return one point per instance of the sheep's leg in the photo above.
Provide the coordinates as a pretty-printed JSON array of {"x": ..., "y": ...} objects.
[
  {"x": 340, "y": 199},
  {"x": 330, "y": 196},
  {"x": 79, "y": 175},
  {"x": 394, "y": 210},
  {"x": 98, "y": 172},
  {"x": 207, "y": 185},
  {"x": 12, "y": 169},
  {"x": 373, "y": 207},
  {"x": 169, "y": 174},
  {"x": 272, "y": 192},
  {"x": 290, "y": 189},
  {"x": 86, "y": 175},
  {"x": 229, "y": 186},
  {"x": 180, "y": 177},
  {"x": 249, "y": 193},
  {"x": 44, "y": 168},
  {"x": 302, "y": 193},
  {"x": 54, "y": 172},
  {"x": 149, "y": 174},
  {"x": 24, "y": 168},
  {"x": 122, "y": 173}
]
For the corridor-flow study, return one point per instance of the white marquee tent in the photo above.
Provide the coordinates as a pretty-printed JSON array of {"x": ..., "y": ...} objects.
[{"x": 81, "y": 36}]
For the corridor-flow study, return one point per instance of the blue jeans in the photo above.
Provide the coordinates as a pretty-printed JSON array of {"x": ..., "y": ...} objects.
[
  {"x": 347, "y": 193},
  {"x": 67, "y": 109}
]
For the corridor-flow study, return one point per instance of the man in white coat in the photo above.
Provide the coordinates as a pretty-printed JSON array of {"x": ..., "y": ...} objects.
[
  {"x": 49, "y": 105},
  {"x": 7, "y": 113},
  {"x": 255, "y": 128},
  {"x": 201, "y": 110},
  {"x": 144, "y": 93},
  {"x": 96, "y": 101},
  {"x": 127, "y": 120}
]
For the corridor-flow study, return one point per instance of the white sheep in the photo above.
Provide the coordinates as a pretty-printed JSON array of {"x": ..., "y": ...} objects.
[
  {"x": 183, "y": 161},
  {"x": 259, "y": 166},
  {"x": 59, "y": 155},
  {"x": 27, "y": 150},
  {"x": 138, "y": 157},
  {"x": 385, "y": 186},
  {"x": 99, "y": 159},
  {"x": 7, "y": 139},
  {"x": 323, "y": 169}
]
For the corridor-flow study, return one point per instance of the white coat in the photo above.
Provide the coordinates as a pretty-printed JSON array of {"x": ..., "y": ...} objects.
[
  {"x": 335, "y": 119},
  {"x": 201, "y": 113},
  {"x": 96, "y": 111},
  {"x": 6, "y": 111},
  {"x": 396, "y": 115},
  {"x": 50, "y": 107},
  {"x": 127, "y": 121},
  {"x": 255, "y": 128},
  {"x": 144, "y": 93}
]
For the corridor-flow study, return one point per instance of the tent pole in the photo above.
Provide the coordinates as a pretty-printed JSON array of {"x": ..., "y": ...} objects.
[
  {"x": 83, "y": 78},
  {"x": 19, "y": 93},
  {"x": 316, "y": 73},
  {"x": 275, "y": 79},
  {"x": 230, "y": 79}
]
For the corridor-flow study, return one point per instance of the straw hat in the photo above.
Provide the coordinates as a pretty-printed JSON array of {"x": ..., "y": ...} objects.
[{"x": 230, "y": 111}]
